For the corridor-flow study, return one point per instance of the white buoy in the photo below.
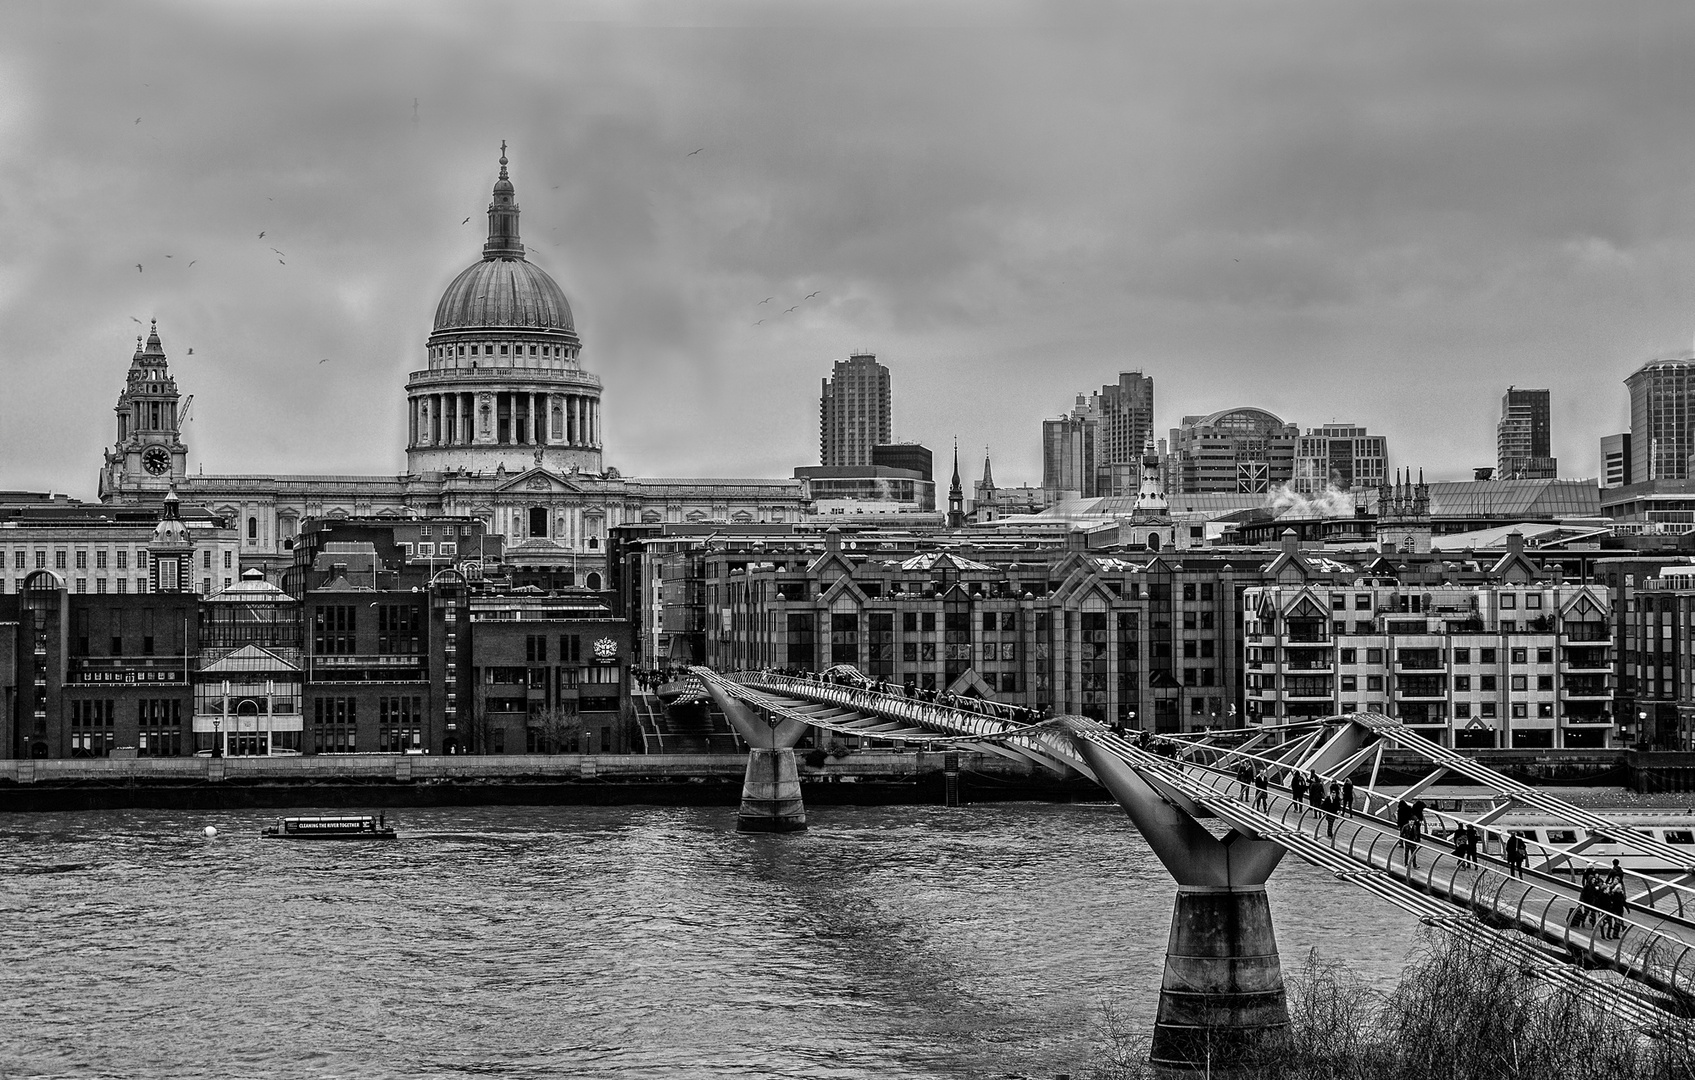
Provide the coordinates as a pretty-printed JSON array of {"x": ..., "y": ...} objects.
[{"x": 210, "y": 832}]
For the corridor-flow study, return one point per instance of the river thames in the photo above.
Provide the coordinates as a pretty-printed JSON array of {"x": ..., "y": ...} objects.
[{"x": 604, "y": 942}]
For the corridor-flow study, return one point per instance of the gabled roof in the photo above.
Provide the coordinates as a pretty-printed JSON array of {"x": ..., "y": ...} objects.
[
  {"x": 945, "y": 560},
  {"x": 248, "y": 659}
]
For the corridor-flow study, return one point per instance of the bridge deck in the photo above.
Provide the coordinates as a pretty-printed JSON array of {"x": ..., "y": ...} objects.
[{"x": 1646, "y": 974}]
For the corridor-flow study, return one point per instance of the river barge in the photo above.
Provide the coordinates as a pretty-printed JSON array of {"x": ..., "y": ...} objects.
[{"x": 341, "y": 827}]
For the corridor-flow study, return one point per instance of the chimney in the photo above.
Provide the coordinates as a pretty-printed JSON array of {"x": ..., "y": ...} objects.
[{"x": 1291, "y": 542}]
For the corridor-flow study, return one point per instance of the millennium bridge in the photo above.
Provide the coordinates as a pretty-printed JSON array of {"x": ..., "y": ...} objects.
[{"x": 1223, "y": 983}]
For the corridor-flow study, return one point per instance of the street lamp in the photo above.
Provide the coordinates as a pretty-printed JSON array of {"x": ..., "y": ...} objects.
[{"x": 217, "y": 731}]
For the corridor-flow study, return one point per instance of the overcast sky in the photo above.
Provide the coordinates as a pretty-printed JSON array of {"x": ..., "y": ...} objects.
[{"x": 1369, "y": 212}]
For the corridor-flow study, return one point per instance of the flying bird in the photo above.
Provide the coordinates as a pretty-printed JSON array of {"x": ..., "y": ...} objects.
[
  {"x": 692, "y": 153},
  {"x": 466, "y": 221},
  {"x": 136, "y": 321},
  {"x": 191, "y": 352},
  {"x": 810, "y": 295},
  {"x": 273, "y": 249},
  {"x": 325, "y": 360},
  {"x": 795, "y": 308},
  {"x": 261, "y": 235},
  {"x": 767, "y": 300},
  {"x": 138, "y": 268},
  {"x": 760, "y": 321},
  {"x": 279, "y": 260},
  {"x": 170, "y": 256},
  {"x": 138, "y": 119},
  {"x": 191, "y": 262}
]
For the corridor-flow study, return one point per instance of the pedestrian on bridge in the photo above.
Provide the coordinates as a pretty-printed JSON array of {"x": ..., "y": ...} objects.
[
  {"x": 1332, "y": 804},
  {"x": 1262, "y": 791},
  {"x": 1244, "y": 776},
  {"x": 1516, "y": 854},
  {"x": 1348, "y": 795},
  {"x": 1298, "y": 790},
  {"x": 1411, "y": 835}
]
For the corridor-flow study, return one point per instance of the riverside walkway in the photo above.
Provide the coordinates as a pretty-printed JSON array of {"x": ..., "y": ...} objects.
[{"x": 1646, "y": 974}]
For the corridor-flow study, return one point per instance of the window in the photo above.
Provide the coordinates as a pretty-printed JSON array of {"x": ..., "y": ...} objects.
[
  {"x": 100, "y": 559},
  {"x": 1486, "y": 656},
  {"x": 158, "y": 727},
  {"x": 123, "y": 560},
  {"x": 1544, "y": 656},
  {"x": 1462, "y": 684},
  {"x": 335, "y": 723},
  {"x": 1519, "y": 710},
  {"x": 252, "y": 528},
  {"x": 571, "y": 645},
  {"x": 1518, "y": 656},
  {"x": 1374, "y": 656},
  {"x": 206, "y": 559},
  {"x": 59, "y": 560},
  {"x": 1348, "y": 656},
  {"x": 1509, "y": 601},
  {"x": 1544, "y": 682},
  {"x": 1486, "y": 710},
  {"x": 226, "y": 559},
  {"x": 399, "y": 724},
  {"x": 1462, "y": 656},
  {"x": 1190, "y": 650},
  {"x": 1486, "y": 683},
  {"x": 92, "y": 733},
  {"x": 1362, "y": 601},
  {"x": 82, "y": 560},
  {"x": 1350, "y": 683},
  {"x": 1374, "y": 682},
  {"x": 1532, "y": 600},
  {"x": 1545, "y": 710},
  {"x": 1462, "y": 710},
  {"x": 1519, "y": 682},
  {"x": 1338, "y": 602},
  {"x": 397, "y": 629},
  {"x": 447, "y": 548},
  {"x": 535, "y": 649},
  {"x": 334, "y": 630}
]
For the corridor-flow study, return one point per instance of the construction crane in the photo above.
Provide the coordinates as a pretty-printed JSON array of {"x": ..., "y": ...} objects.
[{"x": 187, "y": 404}]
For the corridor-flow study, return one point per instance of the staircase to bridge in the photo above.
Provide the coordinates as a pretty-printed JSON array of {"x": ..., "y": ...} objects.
[{"x": 1223, "y": 984}]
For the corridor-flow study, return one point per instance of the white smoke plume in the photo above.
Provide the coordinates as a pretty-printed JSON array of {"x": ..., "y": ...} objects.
[{"x": 1331, "y": 502}]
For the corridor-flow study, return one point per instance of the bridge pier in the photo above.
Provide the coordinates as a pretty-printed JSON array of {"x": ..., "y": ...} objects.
[
  {"x": 771, "y": 799},
  {"x": 1223, "y": 986}
]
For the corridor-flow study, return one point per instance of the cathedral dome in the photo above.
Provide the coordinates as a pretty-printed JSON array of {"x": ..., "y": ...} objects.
[
  {"x": 503, "y": 292},
  {"x": 502, "y": 289}
]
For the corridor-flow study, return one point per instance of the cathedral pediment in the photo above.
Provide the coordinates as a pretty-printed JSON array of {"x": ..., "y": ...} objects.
[{"x": 539, "y": 481}]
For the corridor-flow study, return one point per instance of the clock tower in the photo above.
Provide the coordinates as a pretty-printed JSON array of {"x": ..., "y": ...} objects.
[{"x": 149, "y": 457}]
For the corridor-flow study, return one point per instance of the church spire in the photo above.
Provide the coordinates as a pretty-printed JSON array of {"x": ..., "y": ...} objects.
[
  {"x": 956, "y": 494},
  {"x": 988, "y": 473},
  {"x": 503, "y": 218}
]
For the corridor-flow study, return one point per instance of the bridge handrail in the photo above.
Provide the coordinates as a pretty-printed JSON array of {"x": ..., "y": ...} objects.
[
  {"x": 1640, "y": 965},
  {"x": 963, "y": 725},
  {"x": 1654, "y": 889}
]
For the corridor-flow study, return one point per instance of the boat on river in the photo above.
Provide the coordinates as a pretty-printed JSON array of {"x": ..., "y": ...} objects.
[{"x": 339, "y": 827}]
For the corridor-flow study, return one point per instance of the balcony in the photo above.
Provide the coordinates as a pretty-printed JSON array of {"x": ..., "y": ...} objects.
[
  {"x": 1308, "y": 640},
  {"x": 1324, "y": 666},
  {"x": 1573, "y": 666},
  {"x": 131, "y": 670},
  {"x": 1585, "y": 689},
  {"x": 1579, "y": 632}
]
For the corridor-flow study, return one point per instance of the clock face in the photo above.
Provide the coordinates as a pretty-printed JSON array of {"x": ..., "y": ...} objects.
[{"x": 157, "y": 460}]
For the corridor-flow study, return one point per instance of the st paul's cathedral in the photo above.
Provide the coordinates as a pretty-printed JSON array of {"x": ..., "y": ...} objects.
[{"x": 503, "y": 425}]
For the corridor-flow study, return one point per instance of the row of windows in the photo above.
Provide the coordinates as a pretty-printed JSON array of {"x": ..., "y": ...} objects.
[
  {"x": 429, "y": 549},
  {"x": 442, "y": 352},
  {"x": 21, "y": 559},
  {"x": 1421, "y": 601},
  {"x": 1462, "y": 655}
]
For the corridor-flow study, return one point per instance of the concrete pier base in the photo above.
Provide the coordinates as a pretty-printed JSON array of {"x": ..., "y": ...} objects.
[
  {"x": 771, "y": 793},
  {"x": 1223, "y": 987}
]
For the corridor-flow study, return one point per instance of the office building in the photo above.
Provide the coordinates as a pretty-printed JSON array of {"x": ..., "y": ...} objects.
[
  {"x": 1340, "y": 456},
  {"x": 1247, "y": 451},
  {"x": 1522, "y": 437},
  {"x": 854, "y": 412},
  {"x": 1615, "y": 460}
]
